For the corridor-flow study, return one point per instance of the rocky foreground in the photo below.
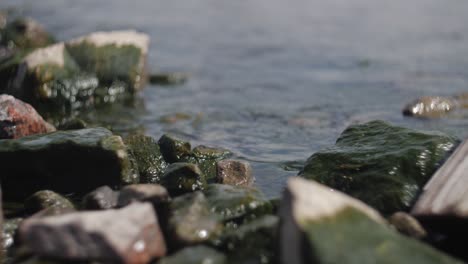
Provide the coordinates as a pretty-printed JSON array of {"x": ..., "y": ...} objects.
[{"x": 83, "y": 194}]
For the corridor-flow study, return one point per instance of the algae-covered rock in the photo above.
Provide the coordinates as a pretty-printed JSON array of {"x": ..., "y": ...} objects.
[
  {"x": 182, "y": 177},
  {"x": 23, "y": 33},
  {"x": 75, "y": 161},
  {"x": 174, "y": 149},
  {"x": 47, "y": 199},
  {"x": 383, "y": 165},
  {"x": 113, "y": 56},
  {"x": 206, "y": 159},
  {"x": 195, "y": 255},
  {"x": 234, "y": 202},
  {"x": 150, "y": 162},
  {"x": 191, "y": 221},
  {"x": 320, "y": 225}
]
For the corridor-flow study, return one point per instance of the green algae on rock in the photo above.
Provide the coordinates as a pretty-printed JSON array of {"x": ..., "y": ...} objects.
[
  {"x": 75, "y": 161},
  {"x": 174, "y": 149},
  {"x": 235, "y": 202},
  {"x": 206, "y": 159},
  {"x": 320, "y": 225},
  {"x": 195, "y": 255},
  {"x": 148, "y": 157},
  {"x": 383, "y": 165},
  {"x": 182, "y": 177}
]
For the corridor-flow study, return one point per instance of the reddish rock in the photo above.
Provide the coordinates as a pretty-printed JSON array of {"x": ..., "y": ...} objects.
[
  {"x": 128, "y": 235},
  {"x": 234, "y": 172},
  {"x": 19, "y": 119}
]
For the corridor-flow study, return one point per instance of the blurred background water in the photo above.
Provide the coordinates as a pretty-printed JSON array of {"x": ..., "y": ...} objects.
[{"x": 274, "y": 81}]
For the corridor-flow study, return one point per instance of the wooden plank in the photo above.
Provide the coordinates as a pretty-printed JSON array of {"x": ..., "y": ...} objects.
[{"x": 446, "y": 194}]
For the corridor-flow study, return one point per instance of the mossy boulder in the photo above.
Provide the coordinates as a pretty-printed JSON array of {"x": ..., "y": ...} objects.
[
  {"x": 148, "y": 157},
  {"x": 174, "y": 149},
  {"x": 383, "y": 165},
  {"x": 320, "y": 225},
  {"x": 235, "y": 202},
  {"x": 75, "y": 161},
  {"x": 182, "y": 177},
  {"x": 195, "y": 255}
]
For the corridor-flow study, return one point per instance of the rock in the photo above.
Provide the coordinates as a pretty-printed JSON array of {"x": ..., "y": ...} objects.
[
  {"x": 407, "y": 225},
  {"x": 113, "y": 56},
  {"x": 76, "y": 161},
  {"x": 383, "y": 165},
  {"x": 73, "y": 124},
  {"x": 153, "y": 193},
  {"x": 182, "y": 177},
  {"x": 234, "y": 202},
  {"x": 173, "y": 149},
  {"x": 127, "y": 235},
  {"x": 19, "y": 119},
  {"x": 102, "y": 198},
  {"x": 47, "y": 199},
  {"x": 234, "y": 172},
  {"x": 150, "y": 162},
  {"x": 195, "y": 255},
  {"x": 10, "y": 226},
  {"x": 24, "y": 33},
  {"x": 321, "y": 225},
  {"x": 191, "y": 221},
  {"x": 429, "y": 106},
  {"x": 206, "y": 158},
  {"x": 174, "y": 78}
]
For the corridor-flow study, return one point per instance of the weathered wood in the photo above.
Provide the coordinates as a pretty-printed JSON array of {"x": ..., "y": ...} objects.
[{"x": 446, "y": 194}]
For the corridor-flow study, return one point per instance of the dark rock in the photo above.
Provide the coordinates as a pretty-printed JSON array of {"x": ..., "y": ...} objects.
[
  {"x": 73, "y": 124},
  {"x": 148, "y": 157},
  {"x": 383, "y": 165},
  {"x": 75, "y": 161},
  {"x": 174, "y": 78},
  {"x": 173, "y": 149},
  {"x": 195, "y": 255},
  {"x": 181, "y": 177},
  {"x": 128, "y": 235},
  {"x": 113, "y": 56},
  {"x": 206, "y": 158},
  {"x": 191, "y": 220},
  {"x": 153, "y": 193},
  {"x": 407, "y": 225},
  {"x": 102, "y": 198},
  {"x": 19, "y": 119},
  {"x": 429, "y": 106},
  {"x": 234, "y": 202},
  {"x": 24, "y": 33},
  {"x": 46, "y": 199},
  {"x": 234, "y": 172},
  {"x": 320, "y": 225}
]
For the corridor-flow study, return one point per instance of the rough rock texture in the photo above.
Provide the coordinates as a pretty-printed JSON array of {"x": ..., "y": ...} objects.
[
  {"x": 128, "y": 235},
  {"x": 195, "y": 255},
  {"x": 320, "y": 225},
  {"x": 101, "y": 199},
  {"x": 206, "y": 158},
  {"x": 153, "y": 193},
  {"x": 407, "y": 225},
  {"x": 76, "y": 161},
  {"x": 19, "y": 119},
  {"x": 182, "y": 177},
  {"x": 234, "y": 172},
  {"x": 47, "y": 199},
  {"x": 113, "y": 56},
  {"x": 383, "y": 165},
  {"x": 173, "y": 149}
]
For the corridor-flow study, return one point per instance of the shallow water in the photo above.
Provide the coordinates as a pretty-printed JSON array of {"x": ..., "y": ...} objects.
[{"x": 275, "y": 80}]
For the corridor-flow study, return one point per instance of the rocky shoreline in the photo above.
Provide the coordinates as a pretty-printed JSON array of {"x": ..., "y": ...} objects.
[{"x": 79, "y": 193}]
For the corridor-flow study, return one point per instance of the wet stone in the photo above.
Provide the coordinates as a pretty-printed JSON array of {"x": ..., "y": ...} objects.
[
  {"x": 173, "y": 149},
  {"x": 430, "y": 107},
  {"x": 206, "y": 159},
  {"x": 195, "y": 255},
  {"x": 102, "y": 198},
  {"x": 320, "y": 225},
  {"x": 383, "y": 165},
  {"x": 153, "y": 193},
  {"x": 191, "y": 220},
  {"x": 47, "y": 199},
  {"x": 145, "y": 150},
  {"x": 182, "y": 177},
  {"x": 19, "y": 119},
  {"x": 407, "y": 225},
  {"x": 127, "y": 235},
  {"x": 234, "y": 172},
  {"x": 76, "y": 161},
  {"x": 10, "y": 226}
]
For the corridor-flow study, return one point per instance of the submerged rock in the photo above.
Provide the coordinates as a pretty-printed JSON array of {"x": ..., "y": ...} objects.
[
  {"x": 429, "y": 106},
  {"x": 19, "y": 119},
  {"x": 182, "y": 177},
  {"x": 234, "y": 172},
  {"x": 174, "y": 78},
  {"x": 129, "y": 235},
  {"x": 195, "y": 255},
  {"x": 102, "y": 198},
  {"x": 383, "y": 165},
  {"x": 320, "y": 225},
  {"x": 113, "y": 56},
  {"x": 76, "y": 161},
  {"x": 174, "y": 149},
  {"x": 47, "y": 199},
  {"x": 150, "y": 162}
]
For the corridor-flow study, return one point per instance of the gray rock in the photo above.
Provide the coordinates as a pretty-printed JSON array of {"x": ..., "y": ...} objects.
[
  {"x": 128, "y": 235},
  {"x": 153, "y": 193},
  {"x": 182, "y": 177},
  {"x": 234, "y": 172},
  {"x": 102, "y": 198}
]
